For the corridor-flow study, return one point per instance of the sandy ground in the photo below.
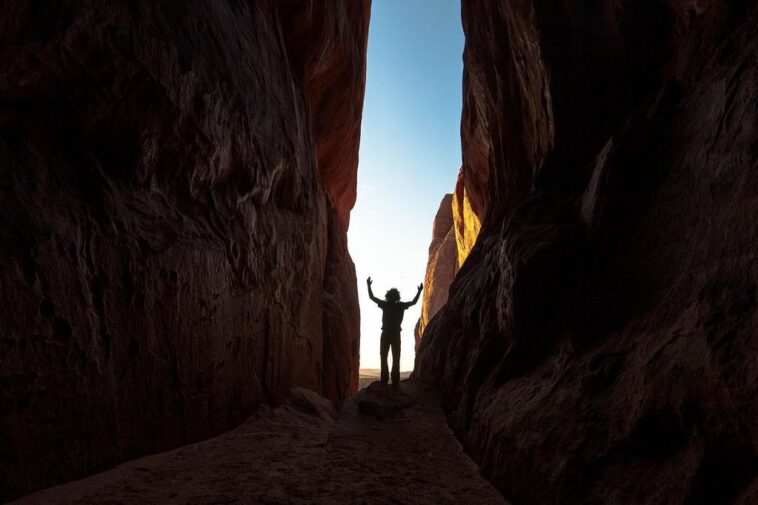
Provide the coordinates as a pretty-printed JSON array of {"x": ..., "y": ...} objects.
[
  {"x": 368, "y": 375},
  {"x": 386, "y": 445}
]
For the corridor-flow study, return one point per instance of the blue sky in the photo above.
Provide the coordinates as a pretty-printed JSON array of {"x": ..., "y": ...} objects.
[{"x": 410, "y": 153}]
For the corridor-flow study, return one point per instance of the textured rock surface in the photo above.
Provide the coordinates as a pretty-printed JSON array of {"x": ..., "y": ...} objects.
[
  {"x": 441, "y": 266},
  {"x": 600, "y": 343},
  {"x": 175, "y": 185},
  {"x": 466, "y": 221}
]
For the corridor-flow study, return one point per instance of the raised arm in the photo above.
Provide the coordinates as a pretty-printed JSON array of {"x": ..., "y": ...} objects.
[
  {"x": 371, "y": 293},
  {"x": 415, "y": 299}
]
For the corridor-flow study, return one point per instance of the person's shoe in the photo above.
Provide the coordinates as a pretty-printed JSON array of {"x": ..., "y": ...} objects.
[{"x": 395, "y": 385}]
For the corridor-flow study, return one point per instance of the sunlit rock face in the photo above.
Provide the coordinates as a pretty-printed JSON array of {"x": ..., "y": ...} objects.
[
  {"x": 467, "y": 206},
  {"x": 441, "y": 266},
  {"x": 175, "y": 188},
  {"x": 466, "y": 221},
  {"x": 599, "y": 343}
]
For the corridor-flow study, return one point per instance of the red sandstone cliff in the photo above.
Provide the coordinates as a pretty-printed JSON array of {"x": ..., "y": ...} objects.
[
  {"x": 455, "y": 230},
  {"x": 441, "y": 266},
  {"x": 467, "y": 219},
  {"x": 600, "y": 341},
  {"x": 175, "y": 186}
]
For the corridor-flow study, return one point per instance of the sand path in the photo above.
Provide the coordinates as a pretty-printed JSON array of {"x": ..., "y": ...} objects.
[{"x": 385, "y": 446}]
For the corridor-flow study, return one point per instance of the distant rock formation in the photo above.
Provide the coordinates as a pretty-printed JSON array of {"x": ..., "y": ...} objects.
[
  {"x": 176, "y": 180},
  {"x": 599, "y": 342},
  {"x": 460, "y": 214},
  {"x": 441, "y": 267},
  {"x": 454, "y": 232}
]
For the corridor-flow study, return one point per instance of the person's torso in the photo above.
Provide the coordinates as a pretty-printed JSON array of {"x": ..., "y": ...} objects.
[{"x": 392, "y": 316}]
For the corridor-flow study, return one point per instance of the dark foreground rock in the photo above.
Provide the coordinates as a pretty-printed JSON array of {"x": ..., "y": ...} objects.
[
  {"x": 600, "y": 342},
  {"x": 176, "y": 179},
  {"x": 299, "y": 453}
]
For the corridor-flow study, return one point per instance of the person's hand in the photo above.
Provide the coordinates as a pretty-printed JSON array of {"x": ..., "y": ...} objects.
[
  {"x": 420, "y": 286},
  {"x": 369, "y": 281}
]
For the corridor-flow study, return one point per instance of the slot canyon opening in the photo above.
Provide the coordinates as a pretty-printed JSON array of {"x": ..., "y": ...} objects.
[{"x": 410, "y": 156}]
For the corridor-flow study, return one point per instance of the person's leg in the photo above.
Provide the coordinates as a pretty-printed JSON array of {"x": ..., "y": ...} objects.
[
  {"x": 396, "y": 360},
  {"x": 384, "y": 347}
]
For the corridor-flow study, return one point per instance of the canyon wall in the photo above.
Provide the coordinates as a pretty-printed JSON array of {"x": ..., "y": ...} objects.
[
  {"x": 441, "y": 266},
  {"x": 176, "y": 180},
  {"x": 454, "y": 232},
  {"x": 600, "y": 342},
  {"x": 467, "y": 219}
]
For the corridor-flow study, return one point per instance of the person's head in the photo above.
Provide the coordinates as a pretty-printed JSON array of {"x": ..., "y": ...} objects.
[{"x": 392, "y": 295}]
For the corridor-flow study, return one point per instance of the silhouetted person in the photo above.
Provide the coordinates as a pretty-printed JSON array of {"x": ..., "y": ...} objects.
[{"x": 392, "y": 315}]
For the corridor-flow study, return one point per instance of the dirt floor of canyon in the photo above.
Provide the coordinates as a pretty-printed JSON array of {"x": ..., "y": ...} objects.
[
  {"x": 385, "y": 445},
  {"x": 367, "y": 376}
]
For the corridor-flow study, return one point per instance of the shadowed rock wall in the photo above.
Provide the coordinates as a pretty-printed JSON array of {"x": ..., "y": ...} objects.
[
  {"x": 175, "y": 186},
  {"x": 600, "y": 343}
]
